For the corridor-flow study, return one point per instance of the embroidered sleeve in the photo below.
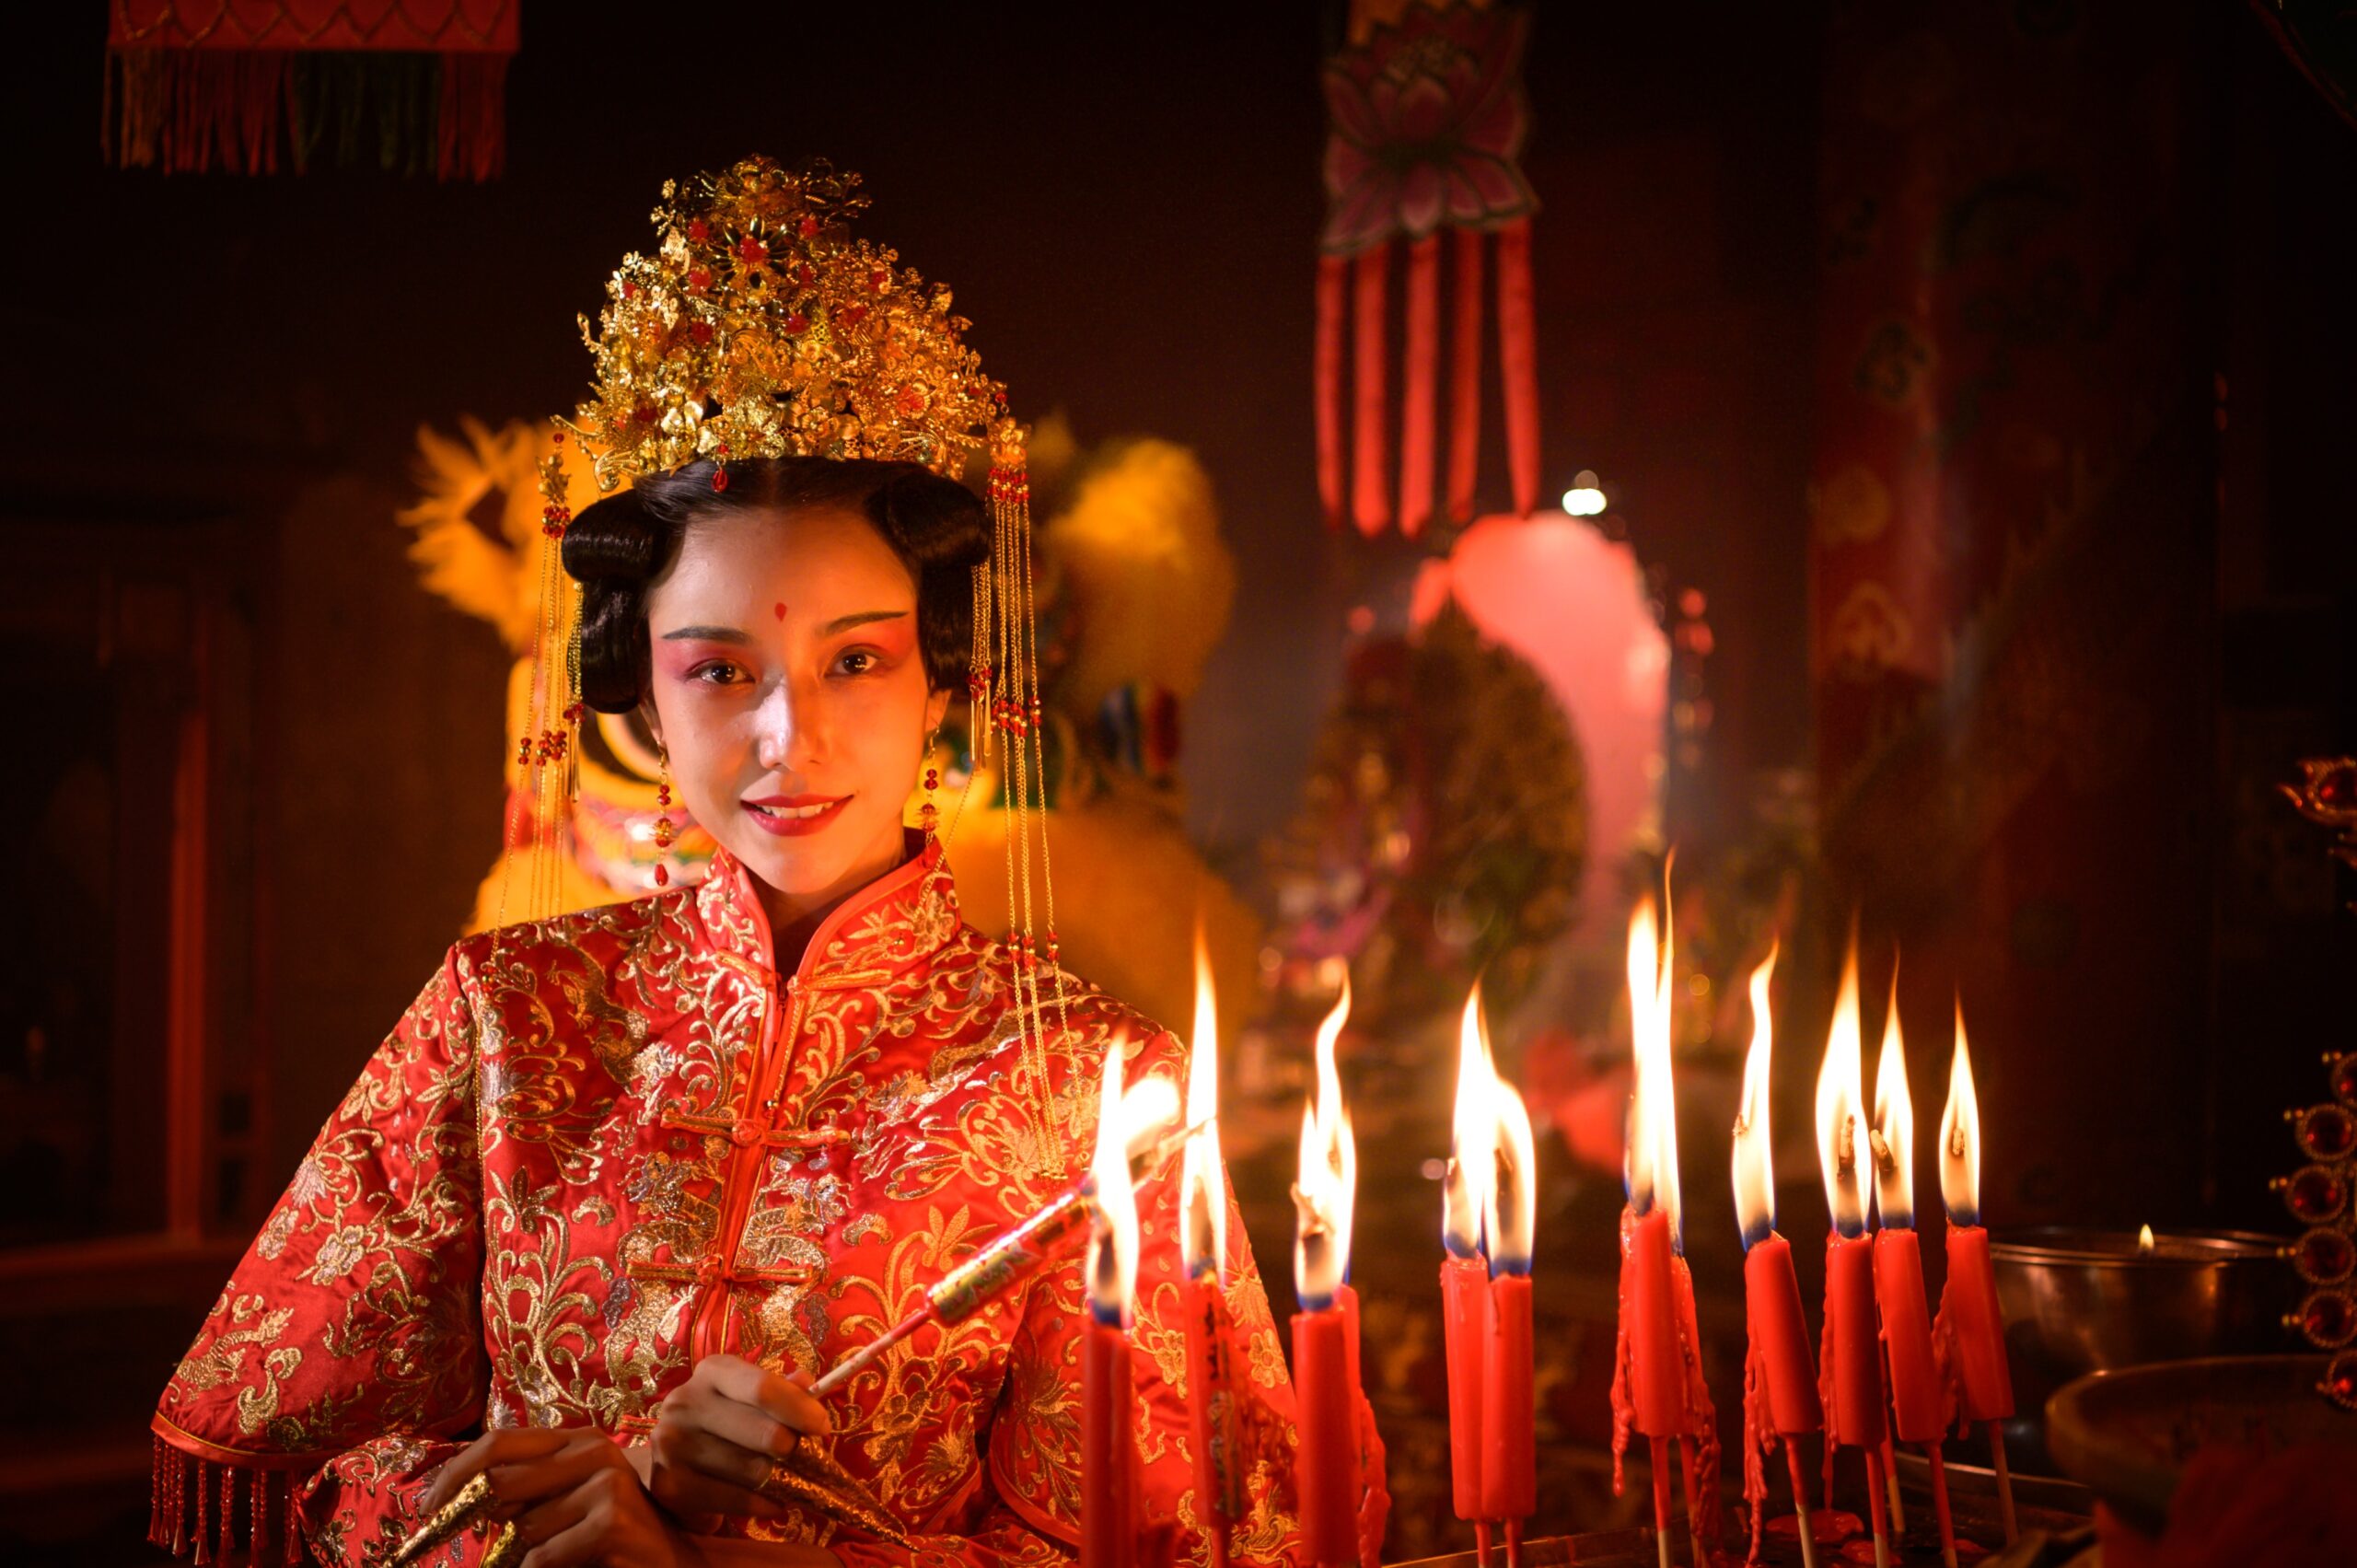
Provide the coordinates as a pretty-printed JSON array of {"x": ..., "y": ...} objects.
[
  {"x": 350, "y": 1336},
  {"x": 1035, "y": 1434}
]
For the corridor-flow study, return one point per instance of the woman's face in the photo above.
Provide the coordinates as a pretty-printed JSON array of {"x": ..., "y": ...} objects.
[{"x": 789, "y": 691}]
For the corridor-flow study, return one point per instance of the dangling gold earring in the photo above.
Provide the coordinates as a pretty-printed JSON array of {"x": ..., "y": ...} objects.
[
  {"x": 929, "y": 814},
  {"x": 663, "y": 820}
]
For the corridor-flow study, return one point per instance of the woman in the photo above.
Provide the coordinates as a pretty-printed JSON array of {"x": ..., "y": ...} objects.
[{"x": 621, "y": 1182}]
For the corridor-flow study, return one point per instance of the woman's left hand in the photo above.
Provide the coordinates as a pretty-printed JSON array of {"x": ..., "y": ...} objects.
[{"x": 572, "y": 1496}]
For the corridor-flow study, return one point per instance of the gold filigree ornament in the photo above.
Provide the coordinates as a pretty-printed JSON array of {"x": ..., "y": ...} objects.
[{"x": 758, "y": 327}]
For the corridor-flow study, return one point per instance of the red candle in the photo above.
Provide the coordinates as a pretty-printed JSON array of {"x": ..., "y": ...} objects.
[
  {"x": 1852, "y": 1358},
  {"x": 1971, "y": 1324},
  {"x": 1510, "y": 1444},
  {"x": 1778, "y": 1331},
  {"x": 1219, "y": 1495},
  {"x": 1971, "y": 1319},
  {"x": 1915, "y": 1385},
  {"x": 1108, "y": 1449},
  {"x": 1654, "y": 1370},
  {"x": 1851, "y": 1366},
  {"x": 1907, "y": 1331},
  {"x": 1108, "y": 1510},
  {"x": 1465, "y": 1310},
  {"x": 1658, "y": 1381},
  {"x": 1465, "y": 1270},
  {"x": 1202, "y": 1217},
  {"x": 1510, "y": 1457},
  {"x": 1975, "y": 1328},
  {"x": 1324, "y": 1465},
  {"x": 1779, "y": 1379}
]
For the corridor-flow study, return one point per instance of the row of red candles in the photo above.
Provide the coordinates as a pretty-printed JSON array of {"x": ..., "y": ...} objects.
[{"x": 1887, "y": 1366}]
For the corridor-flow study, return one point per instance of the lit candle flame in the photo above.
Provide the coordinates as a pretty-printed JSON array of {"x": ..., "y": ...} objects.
[
  {"x": 1755, "y": 1157},
  {"x": 1467, "y": 1194},
  {"x": 1202, "y": 1198},
  {"x": 1652, "y": 1113},
  {"x": 1149, "y": 1112},
  {"x": 1512, "y": 1212},
  {"x": 1333, "y": 1126},
  {"x": 1893, "y": 1139},
  {"x": 1113, "y": 1228},
  {"x": 1960, "y": 1136},
  {"x": 1323, "y": 1215},
  {"x": 2145, "y": 1241},
  {"x": 1841, "y": 1097}
]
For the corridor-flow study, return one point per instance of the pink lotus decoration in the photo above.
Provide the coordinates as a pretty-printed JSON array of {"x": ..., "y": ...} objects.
[{"x": 1429, "y": 118}]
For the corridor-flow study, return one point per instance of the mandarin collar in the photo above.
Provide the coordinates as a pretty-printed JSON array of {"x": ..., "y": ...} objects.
[{"x": 901, "y": 916}]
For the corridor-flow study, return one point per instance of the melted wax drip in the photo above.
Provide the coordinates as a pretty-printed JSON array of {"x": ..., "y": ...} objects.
[
  {"x": 1624, "y": 1407},
  {"x": 1759, "y": 1435},
  {"x": 1947, "y": 1363},
  {"x": 1701, "y": 1415}
]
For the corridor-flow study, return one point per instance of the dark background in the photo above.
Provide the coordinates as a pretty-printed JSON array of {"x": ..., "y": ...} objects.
[{"x": 228, "y": 373}]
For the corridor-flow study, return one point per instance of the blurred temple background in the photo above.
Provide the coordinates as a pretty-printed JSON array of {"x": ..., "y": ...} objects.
[{"x": 1957, "y": 402}]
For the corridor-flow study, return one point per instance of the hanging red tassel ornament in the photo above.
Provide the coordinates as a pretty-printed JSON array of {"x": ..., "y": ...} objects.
[{"x": 1428, "y": 118}]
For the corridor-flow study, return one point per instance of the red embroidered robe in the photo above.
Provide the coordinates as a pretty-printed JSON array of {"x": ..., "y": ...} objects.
[{"x": 600, "y": 1146}]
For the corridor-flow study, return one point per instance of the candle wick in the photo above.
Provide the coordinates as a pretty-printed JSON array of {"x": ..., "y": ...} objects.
[
  {"x": 1845, "y": 1146},
  {"x": 1956, "y": 1143},
  {"x": 1884, "y": 1161}
]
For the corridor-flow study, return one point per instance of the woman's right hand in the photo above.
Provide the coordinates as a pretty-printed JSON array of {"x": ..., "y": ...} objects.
[{"x": 718, "y": 1436}]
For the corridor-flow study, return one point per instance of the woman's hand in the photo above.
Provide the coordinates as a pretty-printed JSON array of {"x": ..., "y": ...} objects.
[
  {"x": 572, "y": 1495},
  {"x": 719, "y": 1434}
]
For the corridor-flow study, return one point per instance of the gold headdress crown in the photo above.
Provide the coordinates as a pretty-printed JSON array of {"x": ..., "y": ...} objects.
[{"x": 759, "y": 327}]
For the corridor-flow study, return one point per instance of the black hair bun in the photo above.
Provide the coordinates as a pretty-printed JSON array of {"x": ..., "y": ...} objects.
[
  {"x": 613, "y": 539},
  {"x": 934, "y": 522}
]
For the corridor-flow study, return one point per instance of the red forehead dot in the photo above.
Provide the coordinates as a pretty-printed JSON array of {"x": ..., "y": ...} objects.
[{"x": 780, "y": 610}]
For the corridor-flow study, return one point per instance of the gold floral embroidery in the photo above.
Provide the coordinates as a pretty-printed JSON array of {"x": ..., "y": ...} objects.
[{"x": 218, "y": 1362}]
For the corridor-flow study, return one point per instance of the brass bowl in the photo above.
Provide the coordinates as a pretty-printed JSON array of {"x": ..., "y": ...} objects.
[
  {"x": 2078, "y": 1300},
  {"x": 2127, "y": 1434}
]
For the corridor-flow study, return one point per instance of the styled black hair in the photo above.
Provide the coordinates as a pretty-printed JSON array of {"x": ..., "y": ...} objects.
[{"x": 617, "y": 546}]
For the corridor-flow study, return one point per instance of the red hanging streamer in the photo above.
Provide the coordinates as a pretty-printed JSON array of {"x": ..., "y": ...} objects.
[
  {"x": 1420, "y": 386},
  {"x": 1518, "y": 361},
  {"x": 1465, "y": 379},
  {"x": 1333, "y": 289},
  {"x": 1370, "y": 501}
]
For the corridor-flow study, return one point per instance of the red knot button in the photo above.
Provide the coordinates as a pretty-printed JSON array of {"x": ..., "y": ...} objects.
[{"x": 746, "y": 1132}]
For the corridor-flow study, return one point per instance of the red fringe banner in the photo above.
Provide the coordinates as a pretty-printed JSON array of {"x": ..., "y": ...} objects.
[{"x": 190, "y": 111}]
